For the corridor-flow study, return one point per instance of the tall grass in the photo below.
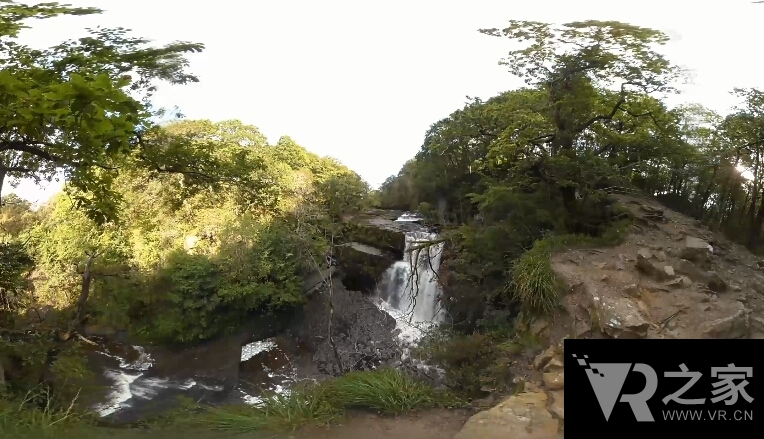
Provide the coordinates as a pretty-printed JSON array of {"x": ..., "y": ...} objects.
[
  {"x": 37, "y": 415},
  {"x": 299, "y": 407},
  {"x": 386, "y": 390},
  {"x": 533, "y": 282}
]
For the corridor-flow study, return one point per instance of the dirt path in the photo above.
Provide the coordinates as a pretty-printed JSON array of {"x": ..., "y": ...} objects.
[
  {"x": 435, "y": 424},
  {"x": 440, "y": 424}
]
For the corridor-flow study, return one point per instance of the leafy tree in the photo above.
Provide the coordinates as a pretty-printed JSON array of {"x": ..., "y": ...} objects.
[
  {"x": 16, "y": 217},
  {"x": 80, "y": 107},
  {"x": 577, "y": 65},
  {"x": 15, "y": 262}
]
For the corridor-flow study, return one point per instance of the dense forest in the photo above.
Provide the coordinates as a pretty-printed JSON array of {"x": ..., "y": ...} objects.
[{"x": 179, "y": 231}]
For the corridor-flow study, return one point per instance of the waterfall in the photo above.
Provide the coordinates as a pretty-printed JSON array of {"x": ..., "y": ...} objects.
[{"x": 409, "y": 289}]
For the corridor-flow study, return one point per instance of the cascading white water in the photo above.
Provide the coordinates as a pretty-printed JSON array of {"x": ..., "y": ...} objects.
[{"x": 409, "y": 289}]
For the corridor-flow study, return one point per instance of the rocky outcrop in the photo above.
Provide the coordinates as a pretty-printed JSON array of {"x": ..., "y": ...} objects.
[
  {"x": 521, "y": 416},
  {"x": 618, "y": 317},
  {"x": 316, "y": 280},
  {"x": 378, "y": 229},
  {"x": 736, "y": 325},
  {"x": 670, "y": 279},
  {"x": 362, "y": 333},
  {"x": 374, "y": 241},
  {"x": 535, "y": 412}
]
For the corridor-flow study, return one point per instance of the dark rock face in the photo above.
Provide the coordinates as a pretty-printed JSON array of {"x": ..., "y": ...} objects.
[
  {"x": 362, "y": 265},
  {"x": 374, "y": 241},
  {"x": 363, "y": 334}
]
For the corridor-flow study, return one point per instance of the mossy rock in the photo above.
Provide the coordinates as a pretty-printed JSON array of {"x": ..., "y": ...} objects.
[{"x": 377, "y": 231}]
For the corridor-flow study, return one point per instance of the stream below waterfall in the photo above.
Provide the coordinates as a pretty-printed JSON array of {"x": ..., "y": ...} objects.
[{"x": 145, "y": 381}]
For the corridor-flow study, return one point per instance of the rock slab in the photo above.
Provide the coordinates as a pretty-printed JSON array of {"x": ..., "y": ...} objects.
[{"x": 522, "y": 416}]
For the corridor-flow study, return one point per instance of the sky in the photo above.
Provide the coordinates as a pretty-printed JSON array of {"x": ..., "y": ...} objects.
[{"x": 362, "y": 81}]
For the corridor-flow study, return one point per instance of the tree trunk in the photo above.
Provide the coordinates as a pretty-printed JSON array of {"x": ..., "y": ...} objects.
[
  {"x": 87, "y": 276},
  {"x": 755, "y": 232},
  {"x": 3, "y": 172},
  {"x": 754, "y": 197},
  {"x": 564, "y": 145}
]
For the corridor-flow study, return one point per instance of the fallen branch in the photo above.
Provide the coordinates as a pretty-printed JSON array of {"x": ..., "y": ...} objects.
[{"x": 81, "y": 337}]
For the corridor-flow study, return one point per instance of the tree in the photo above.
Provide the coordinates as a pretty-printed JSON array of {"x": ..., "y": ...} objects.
[
  {"x": 745, "y": 129},
  {"x": 595, "y": 75},
  {"x": 16, "y": 216},
  {"x": 80, "y": 107}
]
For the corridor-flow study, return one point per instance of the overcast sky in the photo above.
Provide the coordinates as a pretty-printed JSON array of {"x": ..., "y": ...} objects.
[{"x": 362, "y": 81}]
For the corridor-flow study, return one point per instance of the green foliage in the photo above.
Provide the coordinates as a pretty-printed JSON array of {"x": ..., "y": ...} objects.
[
  {"x": 16, "y": 217},
  {"x": 81, "y": 106},
  {"x": 185, "y": 229},
  {"x": 187, "y": 258},
  {"x": 533, "y": 282},
  {"x": 44, "y": 373},
  {"x": 344, "y": 193},
  {"x": 24, "y": 418},
  {"x": 466, "y": 359},
  {"x": 310, "y": 405},
  {"x": 476, "y": 362},
  {"x": 15, "y": 263},
  {"x": 386, "y": 390}
]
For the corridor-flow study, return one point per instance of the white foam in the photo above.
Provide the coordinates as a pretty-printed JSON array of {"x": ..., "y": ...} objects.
[
  {"x": 250, "y": 350},
  {"x": 143, "y": 363},
  {"x": 409, "y": 217},
  {"x": 120, "y": 391}
]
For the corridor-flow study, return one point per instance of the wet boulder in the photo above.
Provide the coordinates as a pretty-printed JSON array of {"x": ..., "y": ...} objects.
[{"x": 316, "y": 280}]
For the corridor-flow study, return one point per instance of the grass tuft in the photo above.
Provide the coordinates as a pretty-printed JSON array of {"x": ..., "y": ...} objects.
[
  {"x": 534, "y": 283},
  {"x": 385, "y": 390}
]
